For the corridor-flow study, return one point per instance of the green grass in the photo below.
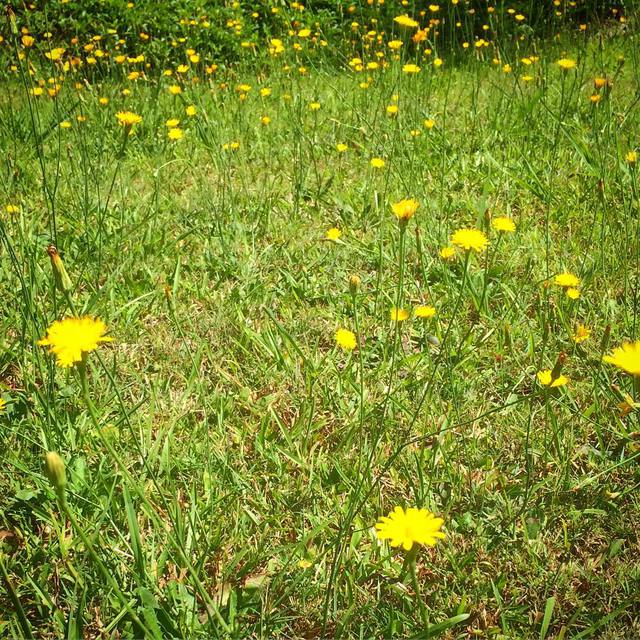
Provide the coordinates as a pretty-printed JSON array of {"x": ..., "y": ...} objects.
[{"x": 233, "y": 439}]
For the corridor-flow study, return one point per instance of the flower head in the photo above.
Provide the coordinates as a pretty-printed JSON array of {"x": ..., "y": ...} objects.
[
  {"x": 70, "y": 339},
  {"x": 581, "y": 334},
  {"x": 566, "y": 63},
  {"x": 405, "y": 21},
  {"x": 377, "y": 163},
  {"x": 468, "y": 239},
  {"x": 626, "y": 357},
  {"x": 346, "y": 339},
  {"x": 567, "y": 280},
  {"x": 406, "y": 528},
  {"x": 502, "y": 223},
  {"x": 127, "y": 118},
  {"x": 333, "y": 234},
  {"x": 3, "y": 404},
  {"x": 424, "y": 311},
  {"x": 546, "y": 380},
  {"x": 411, "y": 68},
  {"x": 446, "y": 253},
  {"x": 404, "y": 209},
  {"x": 398, "y": 315},
  {"x": 175, "y": 133}
]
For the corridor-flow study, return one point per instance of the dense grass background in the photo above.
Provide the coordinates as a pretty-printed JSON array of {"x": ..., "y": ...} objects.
[{"x": 240, "y": 459}]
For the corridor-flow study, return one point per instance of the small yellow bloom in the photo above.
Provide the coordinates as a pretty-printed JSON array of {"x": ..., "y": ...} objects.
[
  {"x": 544, "y": 378},
  {"x": 566, "y": 63},
  {"x": 265, "y": 120},
  {"x": 3, "y": 404},
  {"x": 172, "y": 122},
  {"x": 411, "y": 68},
  {"x": 191, "y": 111},
  {"x": 377, "y": 163},
  {"x": 333, "y": 234},
  {"x": 581, "y": 334},
  {"x": 424, "y": 311},
  {"x": 341, "y": 147},
  {"x": 175, "y": 89},
  {"x": 573, "y": 293},
  {"x": 502, "y": 223},
  {"x": 72, "y": 338},
  {"x": 314, "y": 106},
  {"x": 469, "y": 239},
  {"x": 346, "y": 339},
  {"x": 631, "y": 157},
  {"x": 413, "y": 526},
  {"x": 175, "y": 133},
  {"x": 398, "y": 315},
  {"x": 405, "y": 209},
  {"x": 65, "y": 124},
  {"x": 567, "y": 280},
  {"x": 447, "y": 253},
  {"x": 12, "y": 208},
  {"x": 127, "y": 118}
]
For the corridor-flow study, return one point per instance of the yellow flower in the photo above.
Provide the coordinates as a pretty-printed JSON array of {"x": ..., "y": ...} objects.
[
  {"x": 12, "y": 208},
  {"x": 127, "y": 118},
  {"x": 394, "y": 45},
  {"x": 103, "y": 101},
  {"x": 377, "y": 163},
  {"x": 626, "y": 357},
  {"x": 411, "y": 68},
  {"x": 502, "y": 223},
  {"x": 65, "y": 124},
  {"x": 346, "y": 339},
  {"x": 398, "y": 315},
  {"x": 28, "y": 41},
  {"x": 631, "y": 157},
  {"x": 392, "y": 109},
  {"x": 446, "y": 253},
  {"x": 405, "y": 21},
  {"x": 429, "y": 124},
  {"x": 406, "y": 528},
  {"x": 191, "y": 111},
  {"x": 70, "y": 339},
  {"x": 404, "y": 209},
  {"x": 172, "y": 122},
  {"x": 3, "y": 404},
  {"x": 573, "y": 293},
  {"x": 265, "y": 120},
  {"x": 566, "y": 64},
  {"x": 333, "y": 234},
  {"x": 424, "y": 311},
  {"x": 438, "y": 62},
  {"x": 175, "y": 89},
  {"x": 55, "y": 54},
  {"x": 468, "y": 239},
  {"x": 314, "y": 106},
  {"x": 582, "y": 333},
  {"x": 341, "y": 147},
  {"x": 544, "y": 378},
  {"x": 265, "y": 92},
  {"x": 567, "y": 280},
  {"x": 175, "y": 133}
]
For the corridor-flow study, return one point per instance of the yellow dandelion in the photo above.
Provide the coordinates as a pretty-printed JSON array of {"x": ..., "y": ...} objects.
[
  {"x": 502, "y": 223},
  {"x": 175, "y": 133},
  {"x": 127, "y": 118},
  {"x": 626, "y": 357},
  {"x": 566, "y": 63},
  {"x": 413, "y": 526},
  {"x": 333, "y": 234},
  {"x": 581, "y": 334},
  {"x": 447, "y": 253},
  {"x": 405, "y": 209},
  {"x": 546, "y": 380},
  {"x": 346, "y": 339},
  {"x": 377, "y": 163},
  {"x": 72, "y": 338},
  {"x": 469, "y": 239},
  {"x": 567, "y": 280},
  {"x": 424, "y": 311},
  {"x": 398, "y": 315}
]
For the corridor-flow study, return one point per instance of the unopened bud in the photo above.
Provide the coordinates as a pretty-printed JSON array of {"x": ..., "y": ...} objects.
[
  {"x": 604, "y": 345},
  {"x": 354, "y": 284},
  {"x": 55, "y": 471},
  {"x": 63, "y": 282}
]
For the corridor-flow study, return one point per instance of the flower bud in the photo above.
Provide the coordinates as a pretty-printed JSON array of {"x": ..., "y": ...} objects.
[
  {"x": 63, "y": 282},
  {"x": 55, "y": 471},
  {"x": 354, "y": 284},
  {"x": 557, "y": 369}
]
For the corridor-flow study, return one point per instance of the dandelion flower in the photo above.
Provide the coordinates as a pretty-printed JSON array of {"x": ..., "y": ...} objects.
[
  {"x": 333, "y": 234},
  {"x": 446, "y": 253},
  {"x": 544, "y": 378},
  {"x": 398, "y": 315},
  {"x": 70, "y": 339},
  {"x": 581, "y": 334},
  {"x": 346, "y": 339},
  {"x": 377, "y": 163},
  {"x": 175, "y": 133},
  {"x": 566, "y": 63},
  {"x": 631, "y": 157},
  {"x": 191, "y": 111},
  {"x": 424, "y": 311},
  {"x": 502, "y": 223},
  {"x": 567, "y": 280},
  {"x": 404, "y": 209},
  {"x": 573, "y": 293},
  {"x": 127, "y": 118},
  {"x": 406, "y": 528},
  {"x": 626, "y": 357},
  {"x": 468, "y": 239},
  {"x": 406, "y": 21},
  {"x": 411, "y": 68},
  {"x": 3, "y": 404},
  {"x": 341, "y": 147}
]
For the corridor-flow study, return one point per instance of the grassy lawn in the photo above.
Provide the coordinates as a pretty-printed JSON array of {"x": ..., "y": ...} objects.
[{"x": 226, "y": 458}]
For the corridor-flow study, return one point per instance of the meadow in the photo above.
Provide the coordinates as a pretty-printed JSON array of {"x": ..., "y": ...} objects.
[{"x": 332, "y": 339}]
